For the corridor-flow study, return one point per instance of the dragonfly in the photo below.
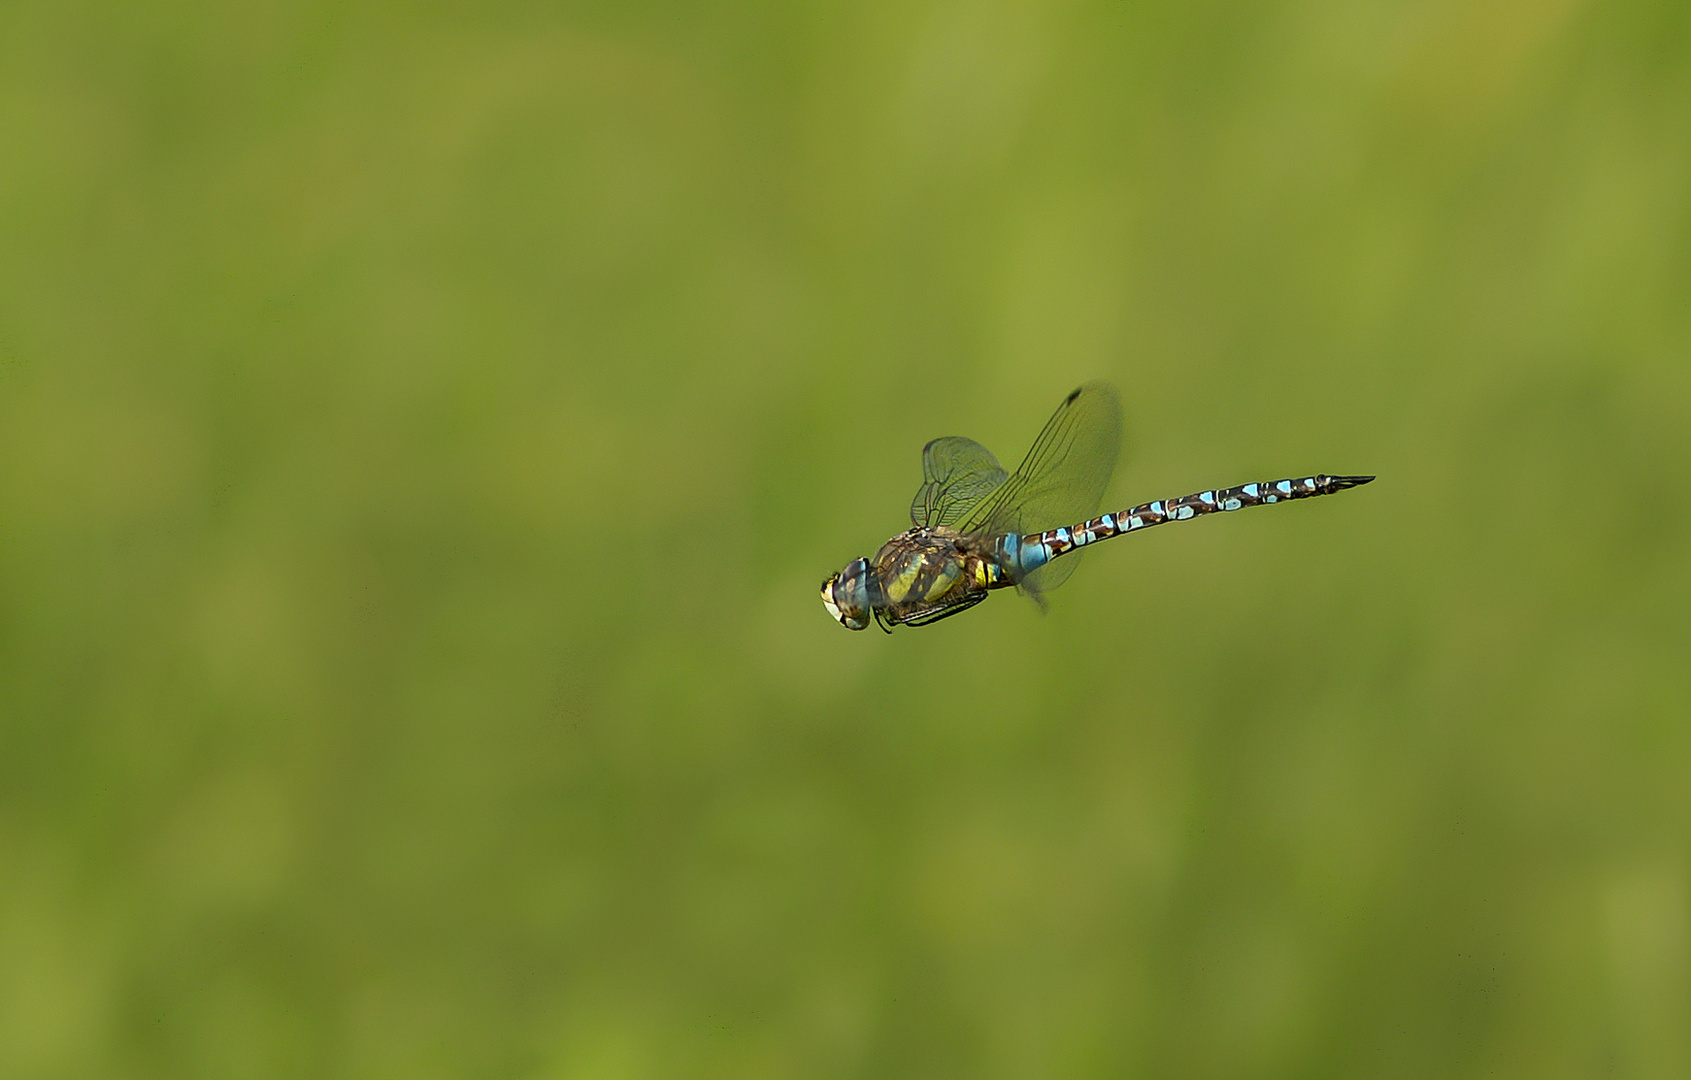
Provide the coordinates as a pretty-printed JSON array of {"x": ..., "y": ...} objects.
[{"x": 977, "y": 528}]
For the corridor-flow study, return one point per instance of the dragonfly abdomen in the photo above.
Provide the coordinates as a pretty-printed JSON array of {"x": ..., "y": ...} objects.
[{"x": 1032, "y": 552}]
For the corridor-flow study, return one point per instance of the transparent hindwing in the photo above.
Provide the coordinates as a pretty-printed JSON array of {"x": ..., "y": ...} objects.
[{"x": 1061, "y": 481}]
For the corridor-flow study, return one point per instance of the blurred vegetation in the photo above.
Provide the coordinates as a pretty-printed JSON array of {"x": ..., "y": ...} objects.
[{"x": 423, "y": 430}]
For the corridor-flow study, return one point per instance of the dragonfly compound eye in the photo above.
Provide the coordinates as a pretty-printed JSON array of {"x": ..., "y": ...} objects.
[{"x": 846, "y": 595}]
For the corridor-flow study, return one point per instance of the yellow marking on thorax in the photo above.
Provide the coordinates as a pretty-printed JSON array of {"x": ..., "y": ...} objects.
[
  {"x": 898, "y": 588},
  {"x": 944, "y": 582},
  {"x": 921, "y": 580}
]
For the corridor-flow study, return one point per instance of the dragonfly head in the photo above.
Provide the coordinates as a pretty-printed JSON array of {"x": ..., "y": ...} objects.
[{"x": 846, "y": 595}]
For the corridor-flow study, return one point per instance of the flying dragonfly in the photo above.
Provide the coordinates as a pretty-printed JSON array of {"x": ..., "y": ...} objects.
[{"x": 978, "y": 528}]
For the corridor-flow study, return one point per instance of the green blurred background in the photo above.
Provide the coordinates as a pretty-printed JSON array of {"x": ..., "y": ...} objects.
[{"x": 423, "y": 430}]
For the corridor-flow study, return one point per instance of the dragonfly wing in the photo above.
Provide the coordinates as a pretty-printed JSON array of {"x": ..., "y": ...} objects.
[
  {"x": 957, "y": 473},
  {"x": 1061, "y": 482}
]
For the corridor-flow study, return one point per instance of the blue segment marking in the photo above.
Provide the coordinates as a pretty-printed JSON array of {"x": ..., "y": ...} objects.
[{"x": 1031, "y": 555}]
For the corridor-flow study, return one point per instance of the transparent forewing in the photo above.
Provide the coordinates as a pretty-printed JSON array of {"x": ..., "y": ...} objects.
[
  {"x": 1062, "y": 480},
  {"x": 957, "y": 473}
]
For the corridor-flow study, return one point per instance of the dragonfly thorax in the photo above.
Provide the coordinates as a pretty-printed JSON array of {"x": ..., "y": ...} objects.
[
  {"x": 917, "y": 576},
  {"x": 924, "y": 564}
]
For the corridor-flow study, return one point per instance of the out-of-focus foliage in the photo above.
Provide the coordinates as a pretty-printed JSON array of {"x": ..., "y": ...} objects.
[{"x": 423, "y": 429}]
